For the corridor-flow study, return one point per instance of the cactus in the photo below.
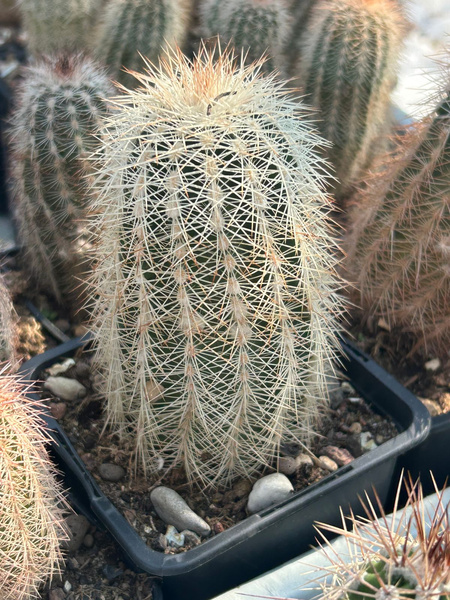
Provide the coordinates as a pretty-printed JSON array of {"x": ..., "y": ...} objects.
[
  {"x": 406, "y": 558},
  {"x": 255, "y": 27},
  {"x": 31, "y": 502},
  {"x": 399, "y": 246},
  {"x": 60, "y": 104},
  {"x": 133, "y": 27},
  {"x": 216, "y": 293},
  {"x": 347, "y": 69},
  {"x": 8, "y": 326},
  {"x": 300, "y": 13},
  {"x": 55, "y": 26}
]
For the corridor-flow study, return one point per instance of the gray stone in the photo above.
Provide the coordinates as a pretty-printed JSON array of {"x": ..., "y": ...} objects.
[
  {"x": 173, "y": 510},
  {"x": 269, "y": 490},
  {"x": 111, "y": 472},
  {"x": 65, "y": 388},
  {"x": 174, "y": 539},
  {"x": 288, "y": 465},
  {"x": 77, "y": 526}
]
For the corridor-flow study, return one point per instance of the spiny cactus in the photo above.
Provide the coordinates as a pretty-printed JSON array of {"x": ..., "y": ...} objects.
[
  {"x": 253, "y": 26},
  {"x": 31, "y": 502},
  {"x": 399, "y": 246},
  {"x": 300, "y": 12},
  {"x": 58, "y": 111},
  {"x": 133, "y": 27},
  {"x": 347, "y": 69},
  {"x": 54, "y": 26},
  {"x": 215, "y": 279},
  {"x": 407, "y": 558},
  {"x": 8, "y": 329}
]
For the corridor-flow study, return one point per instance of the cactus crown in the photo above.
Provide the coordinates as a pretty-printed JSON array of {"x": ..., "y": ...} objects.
[
  {"x": 215, "y": 280},
  {"x": 399, "y": 246},
  {"x": 407, "y": 558},
  {"x": 347, "y": 68},
  {"x": 52, "y": 131},
  {"x": 31, "y": 515}
]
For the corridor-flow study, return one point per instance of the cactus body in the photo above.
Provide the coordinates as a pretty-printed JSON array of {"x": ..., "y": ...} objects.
[
  {"x": 30, "y": 499},
  {"x": 300, "y": 12},
  {"x": 399, "y": 247},
  {"x": 133, "y": 27},
  {"x": 215, "y": 281},
  {"x": 406, "y": 558},
  {"x": 8, "y": 330},
  {"x": 347, "y": 69},
  {"x": 255, "y": 27},
  {"x": 54, "y": 26},
  {"x": 59, "y": 108}
]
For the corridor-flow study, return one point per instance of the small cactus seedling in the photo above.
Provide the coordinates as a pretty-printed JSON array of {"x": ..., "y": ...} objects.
[
  {"x": 31, "y": 502},
  {"x": 8, "y": 330},
  {"x": 58, "y": 111},
  {"x": 399, "y": 246},
  {"x": 347, "y": 69},
  {"x": 215, "y": 285},
  {"x": 55, "y": 26},
  {"x": 131, "y": 28},
  {"x": 255, "y": 27},
  {"x": 405, "y": 558}
]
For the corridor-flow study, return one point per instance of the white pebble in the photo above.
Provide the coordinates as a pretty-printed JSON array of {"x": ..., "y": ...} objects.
[
  {"x": 267, "y": 491},
  {"x": 367, "y": 441},
  {"x": 67, "y": 586},
  {"x": 328, "y": 463},
  {"x": 65, "y": 388},
  {"x": 433, "y": 364},
  {"x": 173, "y": 510},
  {"x": 60, "y": 368}
]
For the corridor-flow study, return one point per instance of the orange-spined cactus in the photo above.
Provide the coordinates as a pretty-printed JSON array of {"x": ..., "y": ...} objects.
[{"x": 31, "y": 514}]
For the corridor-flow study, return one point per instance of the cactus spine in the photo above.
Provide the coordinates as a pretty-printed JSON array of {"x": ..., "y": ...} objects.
[
  {"x": 399, "y": 247},
  {"x": 31, "y": 524},
  {"x": 404, "y": 559},
  {"x": 347, "y": 69},
  {"x": 60, "y": 104},
  {"x": 254, "y": 26},
  {"x": 133, "y": 27},
  {"x": 215, "y": 280},
  {"x": 54, "y": 26}
]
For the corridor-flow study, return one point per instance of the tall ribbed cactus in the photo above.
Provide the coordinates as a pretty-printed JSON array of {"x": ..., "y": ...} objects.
[
  {"x": 347, "y": 69},
  {"x": 58, "y": 111},
  {"x": 54, "y": 26},
  {"x": 399, "y": 247},
  {"x": 8, "y": 331},
  {"x": 215, "y": 282},
  {"x": 254, "y": 26},
  {"x": 133, "y": 27},
  {"x": 31, "y": 503}
]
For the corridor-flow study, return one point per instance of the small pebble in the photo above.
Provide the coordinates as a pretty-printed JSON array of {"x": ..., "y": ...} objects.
[
  {"x": 174, "y": 539},
  {"x": 305, "y": 460},
  {"x": 64, "y": 388},
  {"x": 56, "y": 594},
  {"x": 355, "y": 428},
  {"x": 367, "y": 441},
  {"x": 218, "y": 527},
  {"x": 348, "y": 388},
  {"x": 191, "y": 538},
  {"x": 173, "y": 510},
  {"x": 269, "y": 490},
  {"x": 242, "y": 488},
  {"x": 328, "y": 463},
  {"x": 288, "y": 465},
  {"x": 433, "y": 364},
  {"x": 111, "y": 472},
  {"x": 337, "y": 396},
  {"x": 88, "y": 540},
  {"x": 67, "y": 586},
  {"x": 77, "y": 526},
  {"x": 340, "y": 456},
  {"x": 89, "y": 460},
  {"x": 379, "y": 439},
  {"x": 60, "y": 368},
  {"x": 355, "y": 400},
  {"x": 162, "y": 542},
  {"x": 58, "y": 409},
  {"x": 433, "y": 407}
]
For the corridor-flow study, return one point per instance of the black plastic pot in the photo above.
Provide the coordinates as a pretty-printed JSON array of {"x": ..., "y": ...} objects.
[{"x": 273, "y": 536}]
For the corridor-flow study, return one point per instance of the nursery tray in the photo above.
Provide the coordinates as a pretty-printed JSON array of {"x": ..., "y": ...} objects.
[{"x": 272, "y": 536}]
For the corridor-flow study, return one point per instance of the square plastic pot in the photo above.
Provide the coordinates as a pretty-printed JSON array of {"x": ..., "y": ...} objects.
[{"x": 276, "y": 534}]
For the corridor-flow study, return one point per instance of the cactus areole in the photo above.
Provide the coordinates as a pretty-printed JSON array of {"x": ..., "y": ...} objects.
[{"x": 216, "y": 310}]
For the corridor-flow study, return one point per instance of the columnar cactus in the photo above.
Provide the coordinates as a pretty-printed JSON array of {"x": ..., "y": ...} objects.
[
  {"x": 8, "y": 331},
  {"x": 256, "y": 27},
  {"x": 399, "y": 246},
  {"x": 31, "y": 502},
  {"x": 216, "y": 305},
  {"x": 407, "y": 558},
  {"x": 300, "y": 13},
  {"x": 58, "y": 111},
  {"x": 347, "y": 69},
  {"x": 54, "y": 26},
  {"x": 131, "y": 28}
]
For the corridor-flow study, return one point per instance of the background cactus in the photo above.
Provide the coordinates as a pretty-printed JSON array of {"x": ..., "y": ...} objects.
[
  {"x": 399, "y": 246},
  {"x": 215, "y": 281},
  {"x": 58, "y": 111},
  {"x": 31, "y": 503},
  {"x": 300, "y": 12},
  {"x": 8, "y": 331},
  {"x": 347, "y": 69},
  {"x": 406, "y": 558},
  {"x": 133, "y": 27},
  {"x": 54, "y": 26},
  {"x": 252, "y": 26}
]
